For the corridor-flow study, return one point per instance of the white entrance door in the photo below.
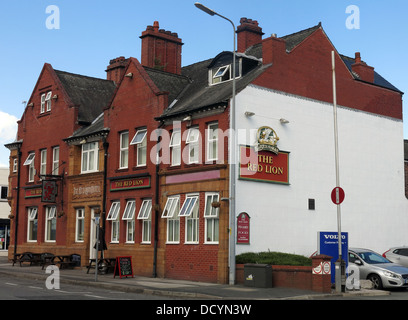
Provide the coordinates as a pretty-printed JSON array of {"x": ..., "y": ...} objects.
[{"x": 93, "y": 233}]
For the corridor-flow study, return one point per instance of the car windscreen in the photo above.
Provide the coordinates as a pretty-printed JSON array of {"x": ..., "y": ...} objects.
[{"x": 372, "y": 258}]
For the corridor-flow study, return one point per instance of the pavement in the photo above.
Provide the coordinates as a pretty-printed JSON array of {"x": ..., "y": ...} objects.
[{"x": 170, "y": 288}]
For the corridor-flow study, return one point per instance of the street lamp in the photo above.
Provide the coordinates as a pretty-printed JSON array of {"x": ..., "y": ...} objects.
[
  {"x": 340, "y": 264},
  {"x": 232, "y": 153}
]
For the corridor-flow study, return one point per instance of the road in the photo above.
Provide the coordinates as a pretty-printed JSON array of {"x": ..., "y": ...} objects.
[
  {"x": 13, "y": 288},
  {"x": 395, "y": 294}
]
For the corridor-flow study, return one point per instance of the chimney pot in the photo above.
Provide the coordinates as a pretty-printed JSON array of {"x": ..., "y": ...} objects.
[
  {"x": 116, "y": 69},
  {"x": 365, "y": 72},
  {"x": 249, "y": 34},
  {"x": 358, "y": 57},
  {"x": 161, "y": 49}
]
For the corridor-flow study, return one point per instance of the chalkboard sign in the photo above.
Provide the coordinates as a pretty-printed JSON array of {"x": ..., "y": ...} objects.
[{"x": 123, "y": 267}]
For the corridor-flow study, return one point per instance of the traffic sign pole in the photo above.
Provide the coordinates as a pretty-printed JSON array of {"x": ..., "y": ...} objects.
[{"x": 339, "y": 279}]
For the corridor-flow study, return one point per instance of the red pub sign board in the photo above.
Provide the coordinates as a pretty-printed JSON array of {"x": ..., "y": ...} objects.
[
  {"x": 263, "y": 165},
  {"x": 243, "y": 228},
  {"x": 130, "y": 183}
]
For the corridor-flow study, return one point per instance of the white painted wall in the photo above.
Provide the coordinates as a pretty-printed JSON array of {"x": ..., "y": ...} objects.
[{"x": 375, "y": 210}]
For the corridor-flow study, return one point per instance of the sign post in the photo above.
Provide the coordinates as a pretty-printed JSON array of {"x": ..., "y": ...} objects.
[
  {"x": 96, "y": 248},
  {"x": 340, "y": 269}
]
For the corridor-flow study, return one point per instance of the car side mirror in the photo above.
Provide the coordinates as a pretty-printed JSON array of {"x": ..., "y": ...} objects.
[{"x": 358, "y": 262}]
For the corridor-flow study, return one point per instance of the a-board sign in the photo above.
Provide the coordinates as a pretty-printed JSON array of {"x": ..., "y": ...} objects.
[{"x": 123, "y": 267}]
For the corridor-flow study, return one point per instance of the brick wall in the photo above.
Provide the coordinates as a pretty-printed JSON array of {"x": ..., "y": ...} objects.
[
  {"x": 299, "y": 277},
  {"x": 307, "y": 71}
]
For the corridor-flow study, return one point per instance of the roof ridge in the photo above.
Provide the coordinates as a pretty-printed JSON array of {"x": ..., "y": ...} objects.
[
  {"x": 81, "y": 75},
  {"x": 319, "y": 25},
  {"x": 164, "y": 72}
]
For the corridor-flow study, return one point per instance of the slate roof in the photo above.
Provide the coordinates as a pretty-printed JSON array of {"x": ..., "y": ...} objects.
[
  {"x": 94, "y": 129},
  {"x": 188, "y": 92},
  {"x": 90, "y": 95},
  {"x": 198, "y": 94},
  {"x": 378, "y": 79}
]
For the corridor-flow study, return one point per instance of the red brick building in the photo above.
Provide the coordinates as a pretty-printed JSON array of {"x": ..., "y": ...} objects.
[
  {"x": 147, "y": 149},
  {"x": 61, "y": 104}
]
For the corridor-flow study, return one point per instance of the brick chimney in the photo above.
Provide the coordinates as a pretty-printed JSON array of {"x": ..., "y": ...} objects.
[
  {"x": 161, "y": 49},
  {"x": 116, "y": 69},
  {"x": 249, "y": 33},
  {"x": 365, "y": 72},
  {"x": 273, "y": 49}
]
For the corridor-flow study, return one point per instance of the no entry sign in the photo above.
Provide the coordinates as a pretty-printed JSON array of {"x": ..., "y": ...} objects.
[{"x": 337, "y": 195}]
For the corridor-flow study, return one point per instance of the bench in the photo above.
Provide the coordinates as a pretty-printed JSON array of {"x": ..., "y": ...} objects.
[
  {"x": 47, "y": 259},
  {"x": 71, "y": 260},
  {"x": 29, "y": 257},
  {"x": 109, "y": 263}
]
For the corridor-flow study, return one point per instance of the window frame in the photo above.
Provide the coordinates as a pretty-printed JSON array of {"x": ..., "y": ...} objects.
[
  {"x": 175, "y": 147},
  {"x": 48, "y": 98},
  {"x": 129, "y": 217},
  {"x": 80, "y": 224},
  {"x": 189, "y": 204},
  {"x": 123, "y": 150},
  {"x": 32, "y": 220},
  {"x": 55, "y": 160},
  {"x": 30, "y": 163},
  {"x": 211, "y": 216},
  {"x": 211, "y": 141},
  {"x": 114, "y": 210},
  {"x": 42, "y": 108},
  {"x": 145, "y": 210},
  {"x": 95, "y": 161},
  {"x": 43, "y": 161},
  {"x": 113, "y": 216},
  {"x": 140, "y": 140},
  {"x": 173, "y": 219},
  {"x": 192, "y": 221},
  {"x": 193, "y": 145},
  {"x": 50, "y": 224},
  {"x": 3, "y": 193},
  {"x": 169, "y": 202}
]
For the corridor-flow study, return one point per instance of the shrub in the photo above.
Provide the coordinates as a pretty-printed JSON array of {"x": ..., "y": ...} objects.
[{"x": 273, "y": 258}]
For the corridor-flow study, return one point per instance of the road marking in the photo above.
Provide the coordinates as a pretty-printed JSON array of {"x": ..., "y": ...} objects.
[
  {"x": 94, "y": 296},
  {"x": 11, "y": 284},
  {"x": 33, "y": 287},
  {"x": 71, "y": 292}
]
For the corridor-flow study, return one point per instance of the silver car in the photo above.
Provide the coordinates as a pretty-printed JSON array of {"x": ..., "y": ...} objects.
[
  {"x": 397, "y": 255},
  {"x": 382, "y": 272}
]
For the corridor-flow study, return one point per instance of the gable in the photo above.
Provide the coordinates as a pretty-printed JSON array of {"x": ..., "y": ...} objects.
[{"x": 306, "y": 71}]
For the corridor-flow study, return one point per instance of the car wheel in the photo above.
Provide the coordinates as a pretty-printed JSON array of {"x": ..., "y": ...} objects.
[{"x": 376, "y": 280}]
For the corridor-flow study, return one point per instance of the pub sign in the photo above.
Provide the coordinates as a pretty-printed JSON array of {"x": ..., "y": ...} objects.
[{"x": 49, "y": 191}]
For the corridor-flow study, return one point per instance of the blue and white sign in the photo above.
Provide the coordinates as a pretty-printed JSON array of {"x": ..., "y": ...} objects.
[{"x": 328, "y": 244}]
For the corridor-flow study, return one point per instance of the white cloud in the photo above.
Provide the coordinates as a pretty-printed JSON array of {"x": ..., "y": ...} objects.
[
  {"x": 8, "y": 132},
  {"x": 8, "y": 127}
]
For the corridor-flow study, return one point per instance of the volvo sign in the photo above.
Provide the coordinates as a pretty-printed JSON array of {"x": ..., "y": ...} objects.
[{"x": 328, "y": 244}]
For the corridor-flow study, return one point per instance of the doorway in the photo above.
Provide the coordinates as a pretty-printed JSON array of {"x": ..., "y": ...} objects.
[{"x": 95, "y": 215}]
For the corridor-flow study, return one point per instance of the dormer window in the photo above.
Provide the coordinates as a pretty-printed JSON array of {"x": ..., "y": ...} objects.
[
  {"x": 221, "y": 70},
  {"x": 222, "y": 74}
]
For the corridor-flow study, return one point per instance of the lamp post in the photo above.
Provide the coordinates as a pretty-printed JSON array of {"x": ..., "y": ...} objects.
[
  {"x": 232, "y": 158},
  {"x": 340, "y": 264}
]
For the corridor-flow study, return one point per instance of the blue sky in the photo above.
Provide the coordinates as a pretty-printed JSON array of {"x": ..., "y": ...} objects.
[{"x": 91, "y": 32}]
